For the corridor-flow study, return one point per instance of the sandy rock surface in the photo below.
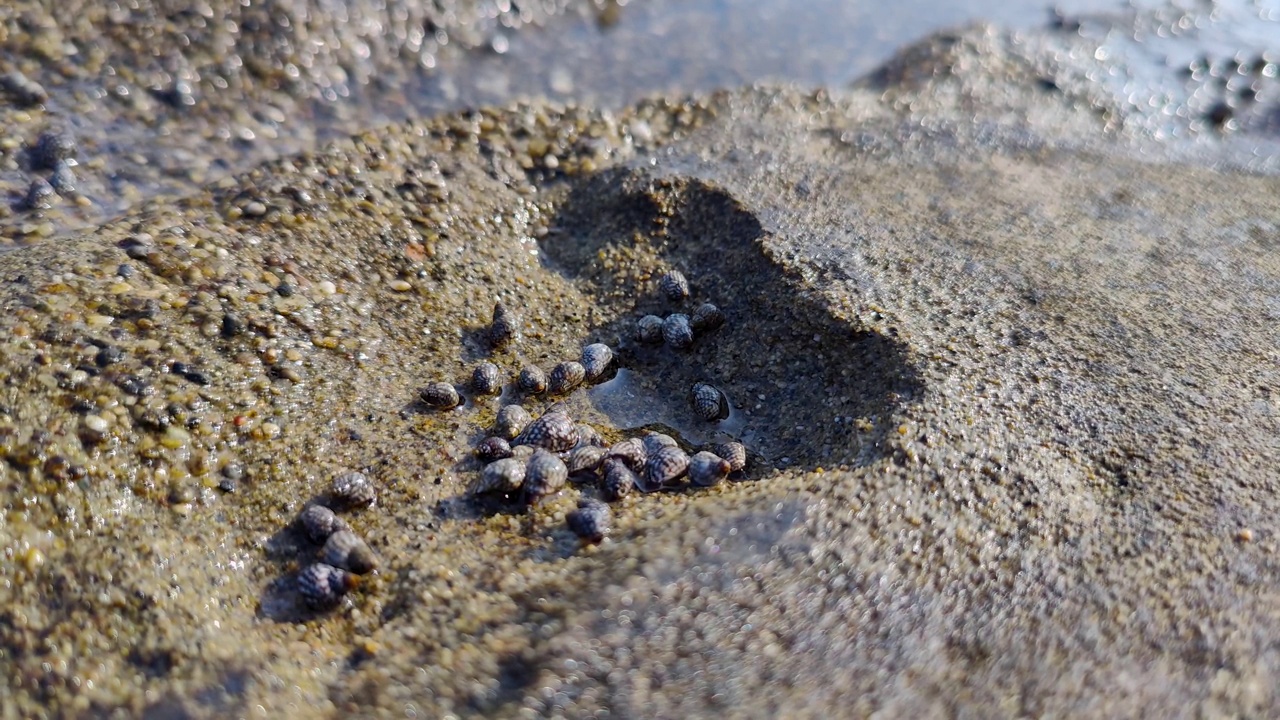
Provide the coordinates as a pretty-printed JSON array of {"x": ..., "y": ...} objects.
[{"x": 1007, "y": 387}]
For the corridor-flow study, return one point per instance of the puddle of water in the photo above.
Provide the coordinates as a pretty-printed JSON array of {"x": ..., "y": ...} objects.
[{"x": 632, "y": 401}]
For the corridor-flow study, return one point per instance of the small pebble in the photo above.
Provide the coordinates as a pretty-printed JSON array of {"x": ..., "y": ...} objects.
[
  {"x": 511, "y": 421},
  {"x": 676, "y": 331},
  {"x": 663, "y": 468},
  {"x": 352, "y": 490},
  {"x": 554, "y": 431},
  {"x": 493, "y": 448},
  {"x": 674, "y": 285},
  {"x": 504, "y": 326},
  {"x": 707, "y": 469},
  {"x": 319, "y": 522},
  {"x": 708, "y": 402},
  {"x": 441, "y": 395},
  {"x": 591, "y": 521},
  {"x": 595, "y": 359},
  {"x": 734, "y": 452},
  {"x": 501, "y": 476},
  {"x": 232, "y": 325},
  {"x": 649, "y": 329},
  {"x": 532, "y": 379},
  {"x": 108, "y": 355},
  {"x": 618, "y": 481},
  {"x": 486, "y": 379},
  {"x": 565, "y": 377},
  {"x": 323, "y": 586},
  {"x": 347, "y": 550},
  {"x": 706, "y": 317}
]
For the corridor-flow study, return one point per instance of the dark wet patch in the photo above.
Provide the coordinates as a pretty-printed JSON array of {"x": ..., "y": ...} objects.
[{"x": 798, "y": 377}]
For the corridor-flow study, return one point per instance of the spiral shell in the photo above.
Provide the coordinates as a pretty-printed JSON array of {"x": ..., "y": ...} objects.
[
  {"x": 707, "y": 469},
  {"x": 511, "y": 421},
  {"x": 441, "y": 395},
  {"x": 674, "y": 285},
  {"x": 734, "y": 452},
  {"x": 545, "y": 474},
  {"x": 676, "y": 331},
  {"x": 708, "y": 402},
  {"x": 554, "y": 431},
  {"x": 504, "y": 326},
  {"x": 706, "y": 317},
  {"x": 618, "y": 481},
  {"x": 663, "y": 468},
  {"x": 631, "y": 452},
  {"x": 351, "y": 490},
  {"x": 501, "y": 476},
  {"x": 585, "y": 459},
  {"x": 588, "y": 435},
  {"x": 532, "y": 379},
  {"x": 347, "y": 550},
  {"x": 323, "y": 586},
  {"x": 649, "y": 329},
  {"x": 493, "y": 448},
  {"x": 565, "y": 377},
  {"x": 591, "y": 521},
  {"x": 595, "y": 359},
  {"x": 486, "y": 379},
  {"x": 319, "y": 522},
  {"x": 655, "y": 441}
]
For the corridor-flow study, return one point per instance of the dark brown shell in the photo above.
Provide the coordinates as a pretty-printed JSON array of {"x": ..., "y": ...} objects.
[
  {"x": 596, "y": 359},
  {"x": 706, "y": 317},
  {"x": 347, "y": 550},
  {"x": 591, "y": 521},
  {"x": 585, "y": 459},
  {"x": 352, "y": 490},
  {"x": 707, "y": 469},
  {"x": 655, "y": 441},
  {"x": 565, "y": 377},
  {"x": 532, "y": 379},
  {"x": 545, "y": 474},
  {"x": 486, "y": 379},
  {"x": 323, "y": 586},
  {"x": 708, "y": 402},
  {"x": 674, "y": 285},
  {"x": 504, "y": 327},
  {"x": 511, "y": 421},
  {"x": 618, "y": 480},
  {"x": 493, "y": 448},
  {"x": 440, "y": 395},
  {"x": 588, "y": 435},
  {"x": 734, "y": 452},
  {"x": 676, "y": 331},
  {"x": 504, "y": 475},
  {"x": 631, "y": 452},
  {"x": 554, "y": 431},
  {"x": 319, "y": 522},
  {"x": 663, "y": 468},
  {"x": 649, "y": 329}
]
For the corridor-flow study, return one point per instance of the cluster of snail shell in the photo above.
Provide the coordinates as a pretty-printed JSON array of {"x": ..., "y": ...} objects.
[{"x": 343, "y": 555}]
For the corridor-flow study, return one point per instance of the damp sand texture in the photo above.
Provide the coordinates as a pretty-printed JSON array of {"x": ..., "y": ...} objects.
[{"x": 1011, "y": 400}]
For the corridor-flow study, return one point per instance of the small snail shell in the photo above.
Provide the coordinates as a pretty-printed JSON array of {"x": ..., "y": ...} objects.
[
  {"x": 347, "y": 550},
  {"x": 591, "y": 521},
  {"x": 351, "y": 490},
  {"x": 323, "y": 586}
]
